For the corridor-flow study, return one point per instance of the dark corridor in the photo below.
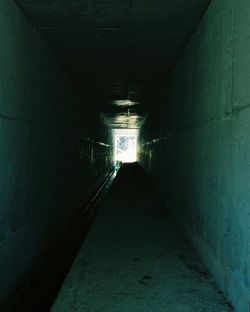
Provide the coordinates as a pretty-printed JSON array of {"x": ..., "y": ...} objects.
[
  {"x": 136, "y": 259},
  {"x": 173, "y": 76}
]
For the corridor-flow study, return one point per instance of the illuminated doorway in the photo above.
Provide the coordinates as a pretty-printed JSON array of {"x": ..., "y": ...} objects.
[
  {"x": 125, "y": 145},
  {"x": 125, "y": 150}
]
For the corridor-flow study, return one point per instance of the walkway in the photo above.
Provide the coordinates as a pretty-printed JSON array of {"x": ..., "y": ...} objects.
[{"x": 136, "y": 260}]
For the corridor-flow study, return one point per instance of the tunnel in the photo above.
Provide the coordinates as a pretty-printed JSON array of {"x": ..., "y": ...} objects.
[{"x": 124, "y": 155}]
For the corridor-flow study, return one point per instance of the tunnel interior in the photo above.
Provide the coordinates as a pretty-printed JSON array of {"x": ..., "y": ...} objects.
[{"x": 173, "y": 76}]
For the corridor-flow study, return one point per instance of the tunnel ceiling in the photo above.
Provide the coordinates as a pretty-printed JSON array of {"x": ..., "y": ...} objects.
[{"x": 120, "y": 50}]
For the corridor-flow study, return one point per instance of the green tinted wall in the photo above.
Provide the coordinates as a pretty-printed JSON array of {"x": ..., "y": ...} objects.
[
  {"x": 197, "y": 145},
  {"x": 50, "y": 157}
]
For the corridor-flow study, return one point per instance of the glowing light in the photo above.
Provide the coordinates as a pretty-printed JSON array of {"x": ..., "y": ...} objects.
[
  {"x": 124, "y": 103},
  {"x": 125, "y": 145}
]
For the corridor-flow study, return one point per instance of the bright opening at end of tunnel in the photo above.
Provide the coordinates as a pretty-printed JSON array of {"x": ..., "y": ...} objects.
[{"x": 125, "y": 145}]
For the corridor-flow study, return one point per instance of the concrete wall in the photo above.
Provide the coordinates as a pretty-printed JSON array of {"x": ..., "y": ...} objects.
[
  {"x": 48, "y": 160},
  {"x": 197, "y": 147}
]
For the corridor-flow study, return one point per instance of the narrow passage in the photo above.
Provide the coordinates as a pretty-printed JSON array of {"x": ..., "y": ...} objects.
[{"x": 135, "y": 259}]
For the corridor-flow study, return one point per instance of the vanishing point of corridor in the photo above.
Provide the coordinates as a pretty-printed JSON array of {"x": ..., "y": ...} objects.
[{"x": 158, "y": 89}]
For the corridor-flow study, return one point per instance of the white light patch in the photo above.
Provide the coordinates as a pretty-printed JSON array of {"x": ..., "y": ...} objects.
[
  {"x": 124, "y": 103},
  {"x": 125, "y": 145}
]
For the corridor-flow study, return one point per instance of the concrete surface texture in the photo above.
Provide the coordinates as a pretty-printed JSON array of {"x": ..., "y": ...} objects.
[
  {"x": 136, "y": 259},
  {"x": 45, "y": 151},
  {"x": 69, "y": 69},
  {"x": 198, "y": 154}
]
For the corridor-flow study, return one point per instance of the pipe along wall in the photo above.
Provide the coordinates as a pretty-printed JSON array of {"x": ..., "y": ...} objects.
[
  {"x": 195, "y": 146},
  {"x": 198, "y": 155}
]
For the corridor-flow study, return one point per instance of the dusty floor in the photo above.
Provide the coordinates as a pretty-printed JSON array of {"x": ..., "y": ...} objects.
[{"x": 135, "y": 259}]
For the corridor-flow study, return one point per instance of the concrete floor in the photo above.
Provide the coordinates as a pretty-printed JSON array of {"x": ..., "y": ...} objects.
[{"x": 135, "y": 259}]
